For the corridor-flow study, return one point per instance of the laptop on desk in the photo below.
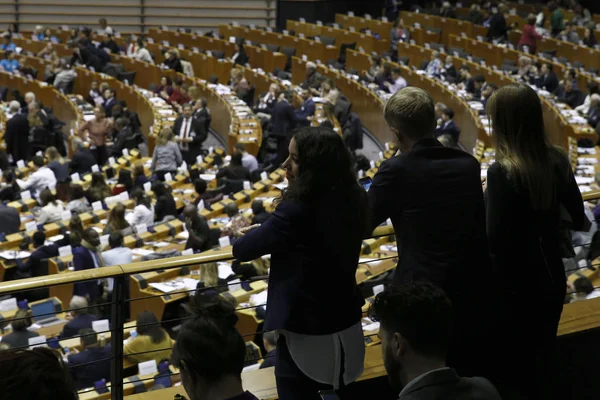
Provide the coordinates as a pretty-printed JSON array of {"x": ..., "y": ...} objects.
[{"x": 44, "y": 313}]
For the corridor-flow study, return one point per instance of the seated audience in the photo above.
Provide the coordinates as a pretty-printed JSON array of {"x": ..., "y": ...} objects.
[
  {"x": 260, "y": 215},
  {"x": 249, "y": 270},
  {"x": 124, "y": 182},
  {"x": 52, "y": 209},
  {"x": 57, "y": 164},
  {"x": 141, "y": 52},
  {"x": 210, "y": 334},
  {"x": 10, "y": 190},
  {"x": 198, "y": 230},
  {"x": 329, "y": 92},
  {"x": 9, "y": 63},
  {"x": 270, "y": 345},
  {"x": 167, "y": 156},
  {"x": 139, "y": 175},
  {"x": 547, "y": 79},
  {"x": 99, "y": 189},
  {"x": 435, "y": 65},
  {"x": 589, "y": 38},
  {"x": 117, "y": 222},
  {"x": 41, "y": 178},
  {"x": 583, "y": 289},
  {"x": 64, "y": 77},
  {"x": 76, "y": 232},
  {"x": 449, "y": 70},
  {"x": 92, "y": 363},
  {"x": 569, "y": 94},
  {"x": 79, "y": 318},
  {"x": 398, "y": 82},
  {"x": 593, "y": 115},
  {"x": 78, "y": 202},
  {"x": 237, "y": 221},
  {"x": 448, "y": 126},
  {"x": 209, "y": 281},
  {"x": 83, "y": 160},
  {"x": 110, "y": 44},
  {"x": 35, "y": 264},
  {"x": 248, "y": 160},
  {"x": 235, "y": 170},
  {"x": 328, "y": 117},
  {"x": 165, "y": 203},
  {"x": 313, "y": 79},
  {"x": 38, "y": 374},
  {"x": 415, "y": 330},
  {"x": 118, "y": 253},
  {"x": 593, "y": 88},
  {"x": 374, "y": 68},
  {"x": 203, "y": 195},
  {"x": 525, "y": 70},
  {"x": 179, "y": 95},
  {"x": 9, "y": 219},
  {"x": 486, "y": 93},
  {"x": 7, "y": 44},
  {"x": 152, "y": 342},
  {"x": 19, "y": 337},
  {"x": 570, "y": 33},
  {"x": 166, "y": 87},
  {"x": 239, "y": 56},
  {"x": 143, "y": 212},
  {"x": 172, "y": 61},
  {"x": 104, "y": 28}
]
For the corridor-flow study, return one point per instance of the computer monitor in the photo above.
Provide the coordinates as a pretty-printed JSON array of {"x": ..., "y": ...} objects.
[{"x": 43, "y": 310}]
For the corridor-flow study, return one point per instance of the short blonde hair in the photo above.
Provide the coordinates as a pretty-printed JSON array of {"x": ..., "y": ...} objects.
[
  {"x": 164, "y": 136},
  {"x": 411, "y": 112}
]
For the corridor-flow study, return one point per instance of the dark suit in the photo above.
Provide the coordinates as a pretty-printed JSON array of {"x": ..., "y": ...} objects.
[
  {"x": 307, "y": 110},
  {"x": 573, "y": 99},
  {"x": 203, "y": 115},
  {"x": 174, "y": 64},
  {"x": 434, "y": 198},
  {"x": 82, "y": 260},
  {"x": 451, "y": 74},
  {"x": 446, "y": 384},
  {"x": 10, "y": 222},
  {"x": 197, "y": 131},
  {"x": 268, "y": 360},
  {"x": 548, "y": 82},
  {"x": 17, "y": 137},
  {"x": 35, "y": 265},
  {"x": 313, "y": 81},
  {"x": 449, "y": 128},
  {"x": 82, "y": 162},
  {"x": 283, "y": 120},
  {"x": 94, "y": 369},
  {"x": 108, "y": 105},
  {"x": 165, "y": 205},
  {"x": 19, "y": 338},
  {"x": 261, "y": 218},
  {"x": 72, "y": 328}
]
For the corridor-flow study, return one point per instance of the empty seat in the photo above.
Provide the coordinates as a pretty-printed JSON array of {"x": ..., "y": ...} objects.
[
  {"x": 403, "y": 60},
  {"x": 577, "y": 64},
  {"x": 562, "y": 60},
  {"x": 329, "y": 41},
  {"x": 288, "y": 51},
  {"x": 433, "y": 30},
  {"x": 273, "y": 48},
  {"x": 477, "y": 60},
  {"x": 459, "y": 50},
  {"x": 436, "y": 46},
  {"x": 218, "y": 54},
  {"x": 345, "y": 47},
  {"x": 128, "y": 76}
]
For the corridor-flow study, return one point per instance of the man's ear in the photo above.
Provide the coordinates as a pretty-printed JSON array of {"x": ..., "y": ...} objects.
[{"x": 398, "y": 345}]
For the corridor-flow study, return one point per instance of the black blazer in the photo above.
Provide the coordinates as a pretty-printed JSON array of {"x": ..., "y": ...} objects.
[
  {"x": 9, "y": 220},
  {"x": 261, "y": 217},
  {"x": 174, "y": 65},
  {"x": 165, "y": 205},
  {"x": 197, "y": 132},
  {"x": 314, "y": 253},
  {"x": 108, "y": 105},
  {"x": 241, "y": 59},
  {"x": 73, "y": 327},
  {"x": 451, "y": 129},
  {"x": 446, "y": 384},
  {"x": 269, "y": 360},
  {"x": 284, "y": 119},
  {"x": 549, "y": 82},
  {"x": 17, "y": 137},
  {"x": 82, "y": 162},
  {"x": 19, "y": 338}
]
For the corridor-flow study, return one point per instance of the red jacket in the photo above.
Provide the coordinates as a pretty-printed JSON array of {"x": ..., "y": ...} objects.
[{"x": 529, "y": 38}]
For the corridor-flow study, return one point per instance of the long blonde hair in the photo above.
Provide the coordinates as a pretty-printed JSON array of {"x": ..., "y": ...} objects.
[
  {"x": 53, "y": 155},
  {"x": 522, "y": 147},
  {"x": 209, "y": 274},
  {"x": 165, "y": 136}
]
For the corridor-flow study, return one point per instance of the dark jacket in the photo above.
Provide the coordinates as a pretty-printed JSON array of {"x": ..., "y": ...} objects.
[
  {"x": 236, "y": 172},
  {"x": 139, "y": 181},
  {"x": 498, "y": 28},
  {"x": 174, "y": 64},
  {"x": 108, "y": 105},
  {"x": 36, "y": 264},
  {"x": 283, "y": 119},
  {"x": 61, "y": 171},
  {"x": 202, "y": 240},
  {"x": 269, "y": 360},
  {"x": 261, "y": 217},
  {"x": 434, "y": 197},
  {"x": 241, "y": 59},
  {"x": 573, "y": 99},
  {"x": 94, "y": 369},
  {"x": 19, "y": 338},
  {"x": 83, "y": 260},
  {"x": 72, "y": 328},
  {"x": 308, "y": 109},
  {"x": 303, "y": 239},
  {"x": 10, "y": 193},
  {"x": 450, "y": 129},
  {"x": 198, "y": 133},
  {"x": 313, "y": 81},
  {"x": 9, "y": 220},
  {"x": 82, "y": 162},
  {"x": 548, "y": 82},
  {"x": 447, "y": 384},
  {"x": 165, "y": 205},
  {"x": 17, "y": 137}
]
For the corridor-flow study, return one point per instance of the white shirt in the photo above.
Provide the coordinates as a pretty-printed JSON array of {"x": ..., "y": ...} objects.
[
  {"x": 399, "y": 84},
  {"x": 249, "y": 161},
  {"x": 143, "y": 54},
  {"x": 40, "y": 180},
  {"x": 116, "y": 256},
  {"x": 418, "y": 378},
  {"x": 107, "y": 31},
  {"x": 319, "y": 356},
  {"x": 142, "y": 215},
  {"x": 186, "y": 125},
  {"x": 51, "y": 213},
  {"x": 585, "y": 107}
]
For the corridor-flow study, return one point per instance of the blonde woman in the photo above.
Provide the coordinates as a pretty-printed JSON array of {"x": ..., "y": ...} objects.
[
  {"x": 167, "y": 156},
  {"x": 57, "y": 164},
  {"x": 117, "y": 221}
]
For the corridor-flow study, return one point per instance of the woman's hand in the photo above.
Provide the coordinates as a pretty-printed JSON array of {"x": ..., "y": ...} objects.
[{"x": 243, "y": 231}]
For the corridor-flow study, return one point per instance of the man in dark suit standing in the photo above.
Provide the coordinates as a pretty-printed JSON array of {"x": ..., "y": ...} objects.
[
  {"x": 284, "y": 121},
  {"x": 415, "y": 327},
  {"x": 308, "y": 108},
  {"x": 17, "y": 134},
  {"x": 448, "y": 126},
  {"x": 190, "y": 133},
  {"x": 434, "y": 198},
  {"x": 109, "y": 101}
]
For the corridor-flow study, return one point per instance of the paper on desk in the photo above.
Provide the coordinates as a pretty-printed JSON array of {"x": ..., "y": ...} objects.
[
  {"x": 183, "y": 235},
  {"x": 208, "y": 177},
  {"x": 224, "y": 270},
  {"x": 259, "y": 299},
  {"x": 587, "y": 160},
  {"x": 585, "y": 188},
  {"x": 582, "y": 180},
  {"x": 141, "y": 252},
  {"x": 38, "y": 341},
  {"x": 369, "y": 261},
  {"x": 252, "y": 367},
  {"x": 168, "y": 287},
  {"x": 371, "y": 327},
  {"x": 147, "y": 368},
  {"x": 586, "y": 150},
  {"x": 12, "y": 255},
  {"x": 161, "y": 244},
  {"x": 56, "y": 238}
]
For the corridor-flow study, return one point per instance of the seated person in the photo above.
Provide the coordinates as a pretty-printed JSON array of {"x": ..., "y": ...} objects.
[
  {"x": 583, "y": 289},
  {"x": 35, "y": 262},
  {"x": 398, "y": 82},
  {"x": 415, "y": 362},
  {"x": 10, "y": 190},
  {"x": 593, "y": 114},
  {"x": 435, "y": 65},
  {"x": 307, "y": 110},
  {"x": 268, "y": 100},
  {"x": 260, "y": 215},
  {"x": 270, "y": 345},
  {"x": 143, "y": 212},
  {"x": 486, "y": 93},
  {"x": 150, "y": 336},
  {"x": 198, "y": 230},
  {"x": 38, "y": 374},
  {"x": 449, "y": 70},
  {"x": 83, "y": 159},
  {"x": 165, "y": 203},
  {"x": 52, "y": 209},
  {"x": 249, "y": 270},
  {"x": 236, "y": 223},
  {"x": 9, "y": 63},
  {"x": 235, "y": 170},
  {"x": 139, "y": 176},
  {"x": 19, "y": 337},
  {"x": 570, "y": 95},
  {"x": 117, "y": 222},
  {"x": 248, "y": 160},
  {"x": 79, "y": 318},
  {"x": 209, "y": 279},
  {"x": 200, "y": 186},
  {"x": 199, "y": 351},
  {"x": 475, "y": 89},
  {"x": 448, "y": 126},
  {"x": 93, "y": 358},
  {"x": 41, "y": 178}
]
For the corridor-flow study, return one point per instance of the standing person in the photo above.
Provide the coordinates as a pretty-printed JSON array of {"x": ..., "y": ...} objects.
[
  {"x": 557, "y": 19},
  {"x": 427, "y": 186},
  {"x": 318, "y": 328},
  {"x": 530, "y": 37},
  {"x": 88, "y": 256},
  {"x": 529, "y": 187},
  {"x": 166, "y": 157},
  {"x": 415, "y": 327},
  {"x": 190, "y": 133},
  {"x": 17, "y": 134},
  {"x": 97, "y": 129}
]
